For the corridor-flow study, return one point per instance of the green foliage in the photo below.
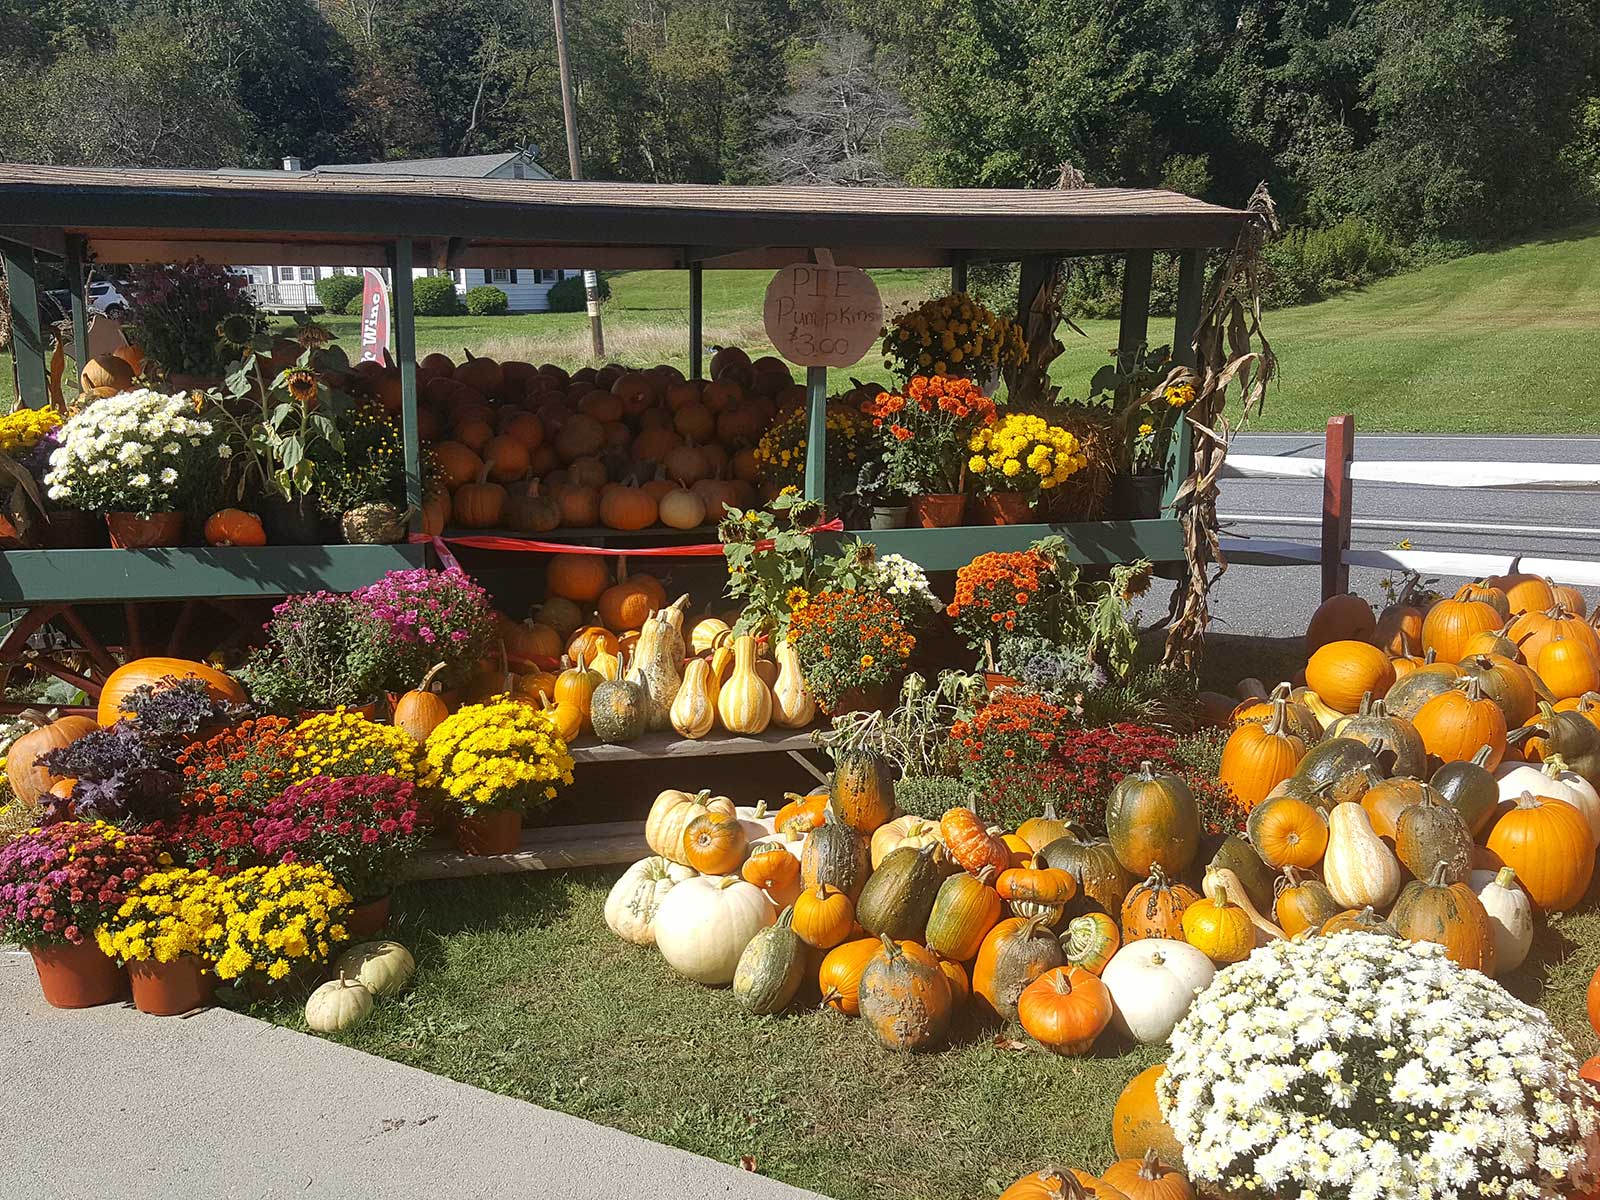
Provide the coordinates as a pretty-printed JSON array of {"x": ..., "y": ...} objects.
[
  {"x": 487, "y": 301},
  {"x": 435, "y": 296},
  {"x": 930, "y": 796},
  {"x": 339, "y": 294},
  {"x": 567, "y": 295}
]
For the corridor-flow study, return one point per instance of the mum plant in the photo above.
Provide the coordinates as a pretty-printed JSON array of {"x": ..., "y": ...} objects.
[
  {"x": 60, "y": 883},
  {"x": 138, "y": 452},
  {"x": 952, "y": 335},
  {"x": 185, "y": 316},
  {"x": 429, "y": 617},
  {"x": 361, "y": 827},
  {"x": 278, "y": 918},
  {"x": 926, "y": 431},
  {"x": 342, "y": 743},
  {"x": 780, "y": 455},
  {"x": 323, "y": 650},
  {"x": 1362, "y": 1067},
  {"x": 499, "y": 756},
  {"x": 239, "y": 767},
  {"x": 1023, "y": 453},
  {"x": 166, "y": 915},
  {"x": 848, "y": 641}
]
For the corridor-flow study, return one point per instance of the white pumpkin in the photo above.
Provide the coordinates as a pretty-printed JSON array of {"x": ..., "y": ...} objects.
[
  {"x": 704, "y": 924},
  {"x": 908, "y": 830},
  {"x": 1358, "y": 867},
  {"x": 633, "y": 900},
  {"x": 1550, "y": 778},
  {"x": 791, "y": 840},
  {"x": 337, "y": 1005},
  {"x": 1152, "y": 983},
  {"x": 384, "y": 968},
  {"x": 758, "y": 822},
  {"x": 1510, "y": 916}
]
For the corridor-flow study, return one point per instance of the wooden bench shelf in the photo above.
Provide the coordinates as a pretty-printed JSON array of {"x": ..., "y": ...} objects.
[{"x": 671, "y": 745}]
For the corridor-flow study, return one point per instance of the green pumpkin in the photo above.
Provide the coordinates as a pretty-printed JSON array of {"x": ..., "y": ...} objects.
[
  {"x": 772, "y": 968},
  {"x": 1470, "y": 789},
  {"x": 837, "y": 855},
  {"x": 1570, "y": 735},
  {"x": 1375, "y": 724},
  {"x": 1239, "y": 856},
  {"x": 1152, "y": 821},
  {"x": 1406, "y": 698},
  {"x": 1103, "y": 882},
  {"x": 900, "y": 893},
  {"x": 862, "y": 790},
  {"x": 1432, "y": 835},
  {"x": 619, "y": 711},
  {"x": 1337, "y": 767}
]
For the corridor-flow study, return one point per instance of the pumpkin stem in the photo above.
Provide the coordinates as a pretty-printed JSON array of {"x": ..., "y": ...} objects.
[
  {"x": 986, "y": 873},
  {"x": 1278, "y": 723},
  {"x": 427, "y": 680},
  {"x": 1554, "y": 764},
  {"x": 1528, "y": 800},
  {"x": 1152, "y": 1168},
  {"x": 1146, "y": 772},
  {"x": 1506, "y": 877},
  {"x": 1438, "y": 877},
  {"x": 890, "y": 947},
  {"x": 1060, "y": 982},
  {"x": 1481, "y": 758}
]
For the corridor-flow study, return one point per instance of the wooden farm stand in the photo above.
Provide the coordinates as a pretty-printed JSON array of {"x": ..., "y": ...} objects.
[{"x": 239, "y": 217}]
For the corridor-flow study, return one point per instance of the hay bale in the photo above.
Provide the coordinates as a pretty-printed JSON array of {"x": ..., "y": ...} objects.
[{"x": 1083, "y": 496}]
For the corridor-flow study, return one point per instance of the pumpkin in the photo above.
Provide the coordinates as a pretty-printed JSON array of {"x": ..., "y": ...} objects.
[
  {"x": 1302, "y": 721},
  {"x": 1591, "y": 998},
  {"x": 1287, "y": 832},
  {"x": 575, "y": 687},
  {"x": 338, "y": 1005},
  {"x": 703, "y": 925},
  {"x": 31, "y": 782},
  {"x": 801, "y": 814},
  {"x": 628, "y": 602},
  {"x": 142, "y": 671},
  {"x": 1386, "y": 799},
  {"x": 1449, "y": 913},
  {"x": 1103, "y": 882},
  {"x": 670, "y": 816},
  {"x": 1496, "y": 641},
  {"x": 1550, "y": 778},
  {"x": 1153, "y": 982},
  {"x": 565, "y": 718},
  {"x": 1399, "y": 629},
  {"x": 682, "y": 509},
  {"x": 1345, "y": 671},
  {"x": 1535, "y": 629},
  {"x": 619, "y": 711},
  {"x": 106, "y": 371},
  {"x": 1431, "y": 835},
  {"x": 383, "y": 968},
  {"x": 1236, "y": 855},
  {"x": 560, "y": 614},
  {"x": 1523, "y": 592},
  {"x": 1548, "y": 844},
  {"x": 1256, "y": 758},
  {"x": 965, "y": 908},
  {"x": 1303, "y": 903},
  {"x": 1137, "y": 1126},
  {"x": 421, "y": 710},
  {"x": 1486, "y": 592},
  {"x": 1148, "y": 1178},
  {"x": 694, "y": 708},
  {"x": 839, "y": 976},
  {"x": 627, "y": 508},
  {"x": 1510, "y": 916},
  {"x": 1366, "y": 920},
  {"x": 580, "y": 578},
  {"x": 904, "y": 997},
  {"x": 1408, "y": 695},
  {"x": 862, "y": 789},
  {"x": 1358, "y": 867},
  {"x": 234, "y": 527},
  {"x": 1374, "y": 726},
  {"x": 1509, "y": 684},
  {"x": 1036, "y": 889},
  {"x": 1340, "y": 618},
  {"x": 910, "y": 830},
  {"x": 1090, "y": 941},
  {"x": 956, "y": 976},
  {"x": 1219, "y": 929},
  {"x": 744, "y": 702},
  {"x": 1336, "y": 770},
  {"x": 771, "y": 968},
  {"x": 1470, "y": 789},
  {"x": 835, "y": 854},
  {"x": 714, "y": 843},
  {"x": 1219, "y": 881},
  {"x": 1065, "y": 1010},
  {"x": 1040, "y": 831},
  {"x": 774, "y": 867},
  {"x": 1152, "y": 821},
  {"x": 793, "y": 706},
  {"x": 1571, "y": 736},
  {"x": 479, "y": 504},
  {"x": 1155, "y": 908},
  {"x": 1014, "y": 953},
  {"x": 1567, "y": 667},
  {"x": 1450, "y": 624},
  {"x": 900, "y": 892},
  {"x": 630, "y": 908},
  {"x": 1454, "y": 724},
  {"x": 971, "y": 843}
]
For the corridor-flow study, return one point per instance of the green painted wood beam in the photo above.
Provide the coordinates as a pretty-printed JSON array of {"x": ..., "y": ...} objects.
[
  {"x": 405, "y": 352},
  {"x": 27, "y": 336},
  {"x": 816, "y": 433},
  {"x": 697, "y": 333},
  {"x": 86, "y": 576},
  {"x": 1191, "y": 295},
  {"x": 1133, "y": 330},
  {"x": 78, "y": 288},
  {"x": 1100, "y": 543}
]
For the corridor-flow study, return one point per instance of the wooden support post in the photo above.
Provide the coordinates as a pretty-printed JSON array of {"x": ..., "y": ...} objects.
[
  {"x": 77, "y": 287},
  {"x": 817, "y": 433},
  {"x": 1134, "y": 329},
  {"x": 958, "y": 273},
  {"x": 405, "y": 353},
  {"x": 27, "y": 335},
  {"x": 1191, "y": 294},
  {"x": 697, "y": 331},
  {"x": 1339, "y": 451},
  {"x": 1035, "y": 271}
]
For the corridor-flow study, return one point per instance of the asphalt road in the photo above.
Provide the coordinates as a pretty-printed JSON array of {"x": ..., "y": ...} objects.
[{"x": 1276, "y": 601}]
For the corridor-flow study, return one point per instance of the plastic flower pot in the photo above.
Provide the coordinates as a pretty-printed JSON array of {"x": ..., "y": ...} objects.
[
  {"x": 170, "y": 989},
  {"x": 292, "y": 522},
  {"x": 138, "y": 531},
  {"x": 367, "y": 920},
  {"x": 1136, "y": 497},
  {"x": 489, "y": 833},
  {"x": 69, "y": 529},
  {"x": 78, "y": 976},
  {"x": 941, "y": 511},
  {"x": 888, "y": 516},
  {"x": 1006, "y": 508}
]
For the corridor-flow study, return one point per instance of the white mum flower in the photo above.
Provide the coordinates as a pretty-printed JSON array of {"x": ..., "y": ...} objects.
[{"x": 141, "y": 480}]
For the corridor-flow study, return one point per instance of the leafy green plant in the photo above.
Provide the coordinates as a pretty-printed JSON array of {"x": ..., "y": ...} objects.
[
  {"x": 282, "y": 434},
  {"x": 338, "y": 294},
  {"x": 568, "y": 295},
  {"x": 435, "y": 296},
  {"x": 487, "y": 301},
  {"x": 930, "y": 796},
  {"x": 916, "y": 733},
  {"x": 772, "y": 560}
]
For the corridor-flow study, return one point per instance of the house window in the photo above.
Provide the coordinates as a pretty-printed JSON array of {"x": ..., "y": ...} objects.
[
  {"x": 284, "y": 274},
  {"x": 547, "y": 276},
  {"x": 498, "y": 275},
  {"x": 308, "y": 274}
]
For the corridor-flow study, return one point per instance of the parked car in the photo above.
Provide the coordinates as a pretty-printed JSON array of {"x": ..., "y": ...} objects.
[{"x": 104, "y": 297}]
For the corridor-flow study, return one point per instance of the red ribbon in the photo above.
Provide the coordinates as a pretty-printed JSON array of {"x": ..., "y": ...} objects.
[{"x": 521, "y": 545}]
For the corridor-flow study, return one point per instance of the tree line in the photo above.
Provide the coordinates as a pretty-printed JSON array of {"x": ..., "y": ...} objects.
[{"x": 1433, "y": 122}]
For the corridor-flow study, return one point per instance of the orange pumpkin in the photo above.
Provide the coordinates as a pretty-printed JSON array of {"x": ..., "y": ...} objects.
[
  {"x": 1341, "y": 673},
  {"x": 1137, "y": 1124},
  {"x": 1548, "y": 843},
  {"x": 1257, "y": 758},
  {"x": 457, "y": 464},
  {"x": 823, "y": 916},
  {"x": 1524, "y": 593},
  {"x": 1148, "y": 1178},
  {"x": 1532, "y": 630},
  {"x": 1567, "y": 667},
  {"x": 1155, "y": 908},
  {"x": 1340, "y": 618},
  {"x": 155, "y": 671},
  {"x": 839, "y": 976},
  {"x": 801, "y": 814},
  {"x": 580, "y": 578},
  {"x": 1288, "y": 832},
  {"x": 421, "y": 710},
  {"x": 771, "y": 867},
  {"x": 590, "y": 642},
  {"x": 234, "y": 527},
  {"x": 1065, "y": 1010},
  {"x": 627, "y": 508},
  {"x": 1451, "y": 624},
  {"x": 971, "y": 843},
  {"x": 478, "y": 505},
  {"x": 29, "y": 781},
  {"x": 1455, "y": 723},
  {"x": 628, "y": 603},
  {"x": 714, "y": 843}
]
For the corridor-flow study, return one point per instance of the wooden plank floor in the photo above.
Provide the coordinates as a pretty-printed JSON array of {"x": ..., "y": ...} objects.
[{"x": 549, "y": 849}]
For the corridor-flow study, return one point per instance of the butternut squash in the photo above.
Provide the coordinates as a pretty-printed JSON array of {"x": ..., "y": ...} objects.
[
  {"x": 792, "y": 703},
  {"x": 744, "y": 702},
  {"x": 1359, "y": 868}
]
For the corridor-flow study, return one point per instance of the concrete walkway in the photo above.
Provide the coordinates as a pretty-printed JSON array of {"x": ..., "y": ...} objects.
[{"x": 108, "y": 1104}]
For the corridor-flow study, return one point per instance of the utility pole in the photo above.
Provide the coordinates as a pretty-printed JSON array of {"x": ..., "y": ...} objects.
[{"x": 569, "y": 113}]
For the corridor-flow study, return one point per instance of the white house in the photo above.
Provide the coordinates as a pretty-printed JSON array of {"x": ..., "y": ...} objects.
[{"x": 293, "y": 289}]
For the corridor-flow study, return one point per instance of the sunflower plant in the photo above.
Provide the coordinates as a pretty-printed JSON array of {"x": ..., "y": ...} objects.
[{"x": 286, "y": 432}]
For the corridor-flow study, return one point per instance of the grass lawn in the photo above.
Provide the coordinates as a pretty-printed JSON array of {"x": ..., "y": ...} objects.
[
  {"x": 522, "y": 990},
  {"x": 1483, "y": 344}
]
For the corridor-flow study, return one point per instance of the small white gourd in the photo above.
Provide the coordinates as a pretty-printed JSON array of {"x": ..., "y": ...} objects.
[
  {"x": 1152, "y": 983},
  {"x": 704, "y": 924},
  {"x": 1358, "y": 867},
  {"x": 630, "y": 908},
  {"x": 338, "y": 1005},
  {"x": 383, "y": 968},
  {"x": 1510, "y": 916}
]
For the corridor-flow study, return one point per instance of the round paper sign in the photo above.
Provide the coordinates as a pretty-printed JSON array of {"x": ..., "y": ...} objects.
[{"x": 823, "y": 316}]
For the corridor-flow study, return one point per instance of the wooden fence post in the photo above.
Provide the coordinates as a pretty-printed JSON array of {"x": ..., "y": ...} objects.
[{"x": 1339, "y": 451}]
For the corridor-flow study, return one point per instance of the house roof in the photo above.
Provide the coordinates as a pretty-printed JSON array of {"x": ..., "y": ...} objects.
[
  {"x": 141, "y": 215},
  {"x": 470, "y": 166}
]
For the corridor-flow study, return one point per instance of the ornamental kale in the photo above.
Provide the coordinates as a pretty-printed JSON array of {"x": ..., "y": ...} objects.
[
  {"x": 181, "y": 709},
  {"x": 1061, "y": 674},
  {"x": 429, "y": 617}
]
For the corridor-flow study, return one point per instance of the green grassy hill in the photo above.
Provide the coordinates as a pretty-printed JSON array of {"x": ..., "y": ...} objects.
[{"x": 1493, "y": 343}]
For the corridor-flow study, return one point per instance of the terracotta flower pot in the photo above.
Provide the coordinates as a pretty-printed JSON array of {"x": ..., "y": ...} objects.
[
  {"x": 136, "y": 531},
  {"x": 68, "y": 529},
  {"x": 939, "y": 511},
  {"x": 1006, "y": 508},
  {"x": 367, "y": 920},
  {"x": 78, "y": 976},
  {"x": 491, "y": 833},
  {"x": 171, "y": 989}
]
